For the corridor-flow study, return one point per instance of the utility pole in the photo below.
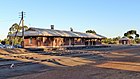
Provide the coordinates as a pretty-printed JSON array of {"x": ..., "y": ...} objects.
[{"x": 22, "y": 21}]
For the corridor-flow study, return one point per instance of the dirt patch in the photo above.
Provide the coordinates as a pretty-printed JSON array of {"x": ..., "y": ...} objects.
[{"x": 110, "y": 64}]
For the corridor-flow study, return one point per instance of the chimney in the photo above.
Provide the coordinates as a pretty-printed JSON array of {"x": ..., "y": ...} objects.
[
  {"x": 71, "y": 29},
  {"x": 52, "y": 26}
]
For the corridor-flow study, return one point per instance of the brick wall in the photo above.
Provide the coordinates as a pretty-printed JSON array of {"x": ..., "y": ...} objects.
[{"x": 58, "y": 41}]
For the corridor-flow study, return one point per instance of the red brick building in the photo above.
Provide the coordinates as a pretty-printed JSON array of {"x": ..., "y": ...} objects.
[
  {"x": 125, "y": 40},
  {"x": 37, "y": 37}
]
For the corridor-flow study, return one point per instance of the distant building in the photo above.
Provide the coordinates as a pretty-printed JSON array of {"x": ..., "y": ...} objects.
[
  {"x": 125, "y": 40},
  {"x": 38, "y": 37}
]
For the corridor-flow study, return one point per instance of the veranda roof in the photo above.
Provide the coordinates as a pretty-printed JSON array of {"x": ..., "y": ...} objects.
[{"x": 59, "y": 33}]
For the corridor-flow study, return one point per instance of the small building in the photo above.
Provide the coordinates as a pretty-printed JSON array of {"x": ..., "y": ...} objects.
[
  {"x": 125, "y": 40},
  {"x": 38, "y": 37}
]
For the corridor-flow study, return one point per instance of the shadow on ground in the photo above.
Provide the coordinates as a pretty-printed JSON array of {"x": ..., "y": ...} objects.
[{"x": 26, "y": 62}]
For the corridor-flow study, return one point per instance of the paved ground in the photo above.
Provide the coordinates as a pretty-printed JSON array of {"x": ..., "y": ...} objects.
[{"x": 111, "y": 63}]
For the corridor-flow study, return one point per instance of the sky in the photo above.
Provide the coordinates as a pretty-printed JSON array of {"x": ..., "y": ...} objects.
[{"x": 110, "y": 18}]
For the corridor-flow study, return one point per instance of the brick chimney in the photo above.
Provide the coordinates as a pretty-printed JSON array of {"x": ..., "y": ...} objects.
[
  {"x": 52, "y": 26},
  {"x": 71, "y": 29}
]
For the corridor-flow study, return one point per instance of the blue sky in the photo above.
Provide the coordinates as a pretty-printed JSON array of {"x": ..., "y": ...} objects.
[{"x": 110, "y": 18}]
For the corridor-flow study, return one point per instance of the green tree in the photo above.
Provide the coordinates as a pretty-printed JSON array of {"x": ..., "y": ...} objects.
[
  {"x": 25, "y": 27},
  {"x": 5, "y": 41},
  {"x": 14, "y": 29},
  {"x": 0, "y": 40},
  {"x": 137, "y": 36},
  {"x": 111, "y": 40},
  {"x": 91, "y": 31},
  {"x": 137, "y": 40},
  {"x": 131, "y": 33},
  {"x": 126, "y": 34}
]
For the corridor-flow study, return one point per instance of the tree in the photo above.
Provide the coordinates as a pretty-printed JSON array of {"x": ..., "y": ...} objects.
[
  {"x": 131, "y": 33},
  {"x": 14, "y": 29},
  {"x": 3, "y": 42},
  {"x": 137, "y": 36},
  {"x": 126, "y": 34},
  {"x": 137, "y": 40},
  {"x": 114, "y": 40},
  {"x": 25, "y": 27},
  {"x": 91, "y": 31},
  {"x": 0, "y": 40}
]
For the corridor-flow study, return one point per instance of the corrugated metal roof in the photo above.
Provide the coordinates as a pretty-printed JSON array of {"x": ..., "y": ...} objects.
[
  {"x": 125, "y": 38},
  {"x": 52, "y": 32}
]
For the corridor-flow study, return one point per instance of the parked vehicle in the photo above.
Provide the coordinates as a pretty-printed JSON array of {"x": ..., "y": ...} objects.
[
  {"x": 8, "y": 46},
  {"x": 1, "y": 46}
]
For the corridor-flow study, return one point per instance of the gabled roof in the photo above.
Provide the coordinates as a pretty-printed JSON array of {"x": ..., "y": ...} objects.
[
  {"x": 60, "y": 33},
  {"x": 125, "y": 38}
]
